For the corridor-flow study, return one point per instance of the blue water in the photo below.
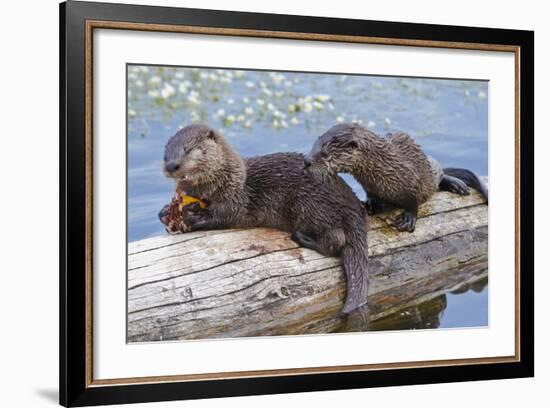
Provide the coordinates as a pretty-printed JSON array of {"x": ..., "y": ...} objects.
[{"x": 261, "y": 112}]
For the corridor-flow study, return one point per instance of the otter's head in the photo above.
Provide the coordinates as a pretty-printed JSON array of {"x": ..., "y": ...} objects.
[
  {"x": 191, "y": 153},
  {"x": 334, "y": 152}
]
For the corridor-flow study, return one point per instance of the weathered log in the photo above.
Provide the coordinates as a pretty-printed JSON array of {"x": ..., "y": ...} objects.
[{"x": 235, "y": 283}]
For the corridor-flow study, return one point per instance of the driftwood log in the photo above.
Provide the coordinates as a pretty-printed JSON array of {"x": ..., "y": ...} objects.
[{"x": 235, "y": 283}]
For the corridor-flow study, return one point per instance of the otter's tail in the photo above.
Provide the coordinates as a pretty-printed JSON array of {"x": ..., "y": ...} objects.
[
  {"x": 355, "y": 261},
  {"x": 470, "y": 178}
]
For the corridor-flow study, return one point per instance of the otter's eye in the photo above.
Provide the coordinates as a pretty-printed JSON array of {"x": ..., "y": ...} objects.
[{"x": 187, "y": 150}]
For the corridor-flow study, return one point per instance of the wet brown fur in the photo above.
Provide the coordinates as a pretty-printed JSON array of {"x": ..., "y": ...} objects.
[
  {"x": 272, "y": 191},
  {"x": 393, "y": 168}
]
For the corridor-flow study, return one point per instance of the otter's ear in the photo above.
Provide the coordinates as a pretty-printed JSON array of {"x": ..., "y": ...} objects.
[
  {"x": 352, "y": 144},
  {"x": 211, "y": 134}
]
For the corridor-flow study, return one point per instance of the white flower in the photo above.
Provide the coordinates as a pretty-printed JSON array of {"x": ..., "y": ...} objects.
[
  {"x": 239, "y": 74},
  {"x": 260, "y": 102},
  {"x": 331, "y": 106},
  {"x": 153, "y": 93},
  {"x": 318, "y": 105},
  {"x": 276, "y": 77},
  {"x": 231, "y": 101},
  {"x": 144, "y": 69},
  {"x": 278, "y": 94},
  {"x": 322, "y": 98},
  {"x": 340, "y": 119},
  {"x": 467, "y": 92},
  {"x": 270, "y": 106},
  {"x": 387, "y": 121},
  {"x": 213, "y": 77},
  {"x": 267, "y": 91},
  {"x": 139, "y": 83},
  {"x": 246, "y": 99},
  {"x": 292, "y": 108},
  {"x": 279, "y": 114},
  {"x": 249, "y": 111},
  {"x": 371, "y": 124},
  {"x": 220, "y": 112},
  {"x": 195, "y": 116},
  {"x": 168, "y": 90},
  {"x": 288, "y": 84},
  {"x": 481, "y": 95},
  {"x": 179, "y": 74},
  {"x": 240, "y": 118},
  {"x": 155, "y": 80},
  {"x": 229, "y": 120},
  {"x": 248, "y": 124},
  {"x": 308, "y": 107},
  {"x": 249, "y": 84},
  {"x": 182, "y": 88},
  {"x": 294, "y": 120},
  {"x": 193, "y": 98},
  {"x": 204, "y": 75},
  {"x": 132, "y": 113}
]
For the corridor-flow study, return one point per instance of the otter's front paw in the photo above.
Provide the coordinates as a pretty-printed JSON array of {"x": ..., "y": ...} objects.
[
  {"x": 406, "y": 221},
  {"x": 459, "y": 188},
  {"x": 373, "y": 205},
  {"x": 197, "y": 220}
]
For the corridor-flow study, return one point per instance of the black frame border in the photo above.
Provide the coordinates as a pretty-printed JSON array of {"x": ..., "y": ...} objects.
[{"x": 72, "y": 255}]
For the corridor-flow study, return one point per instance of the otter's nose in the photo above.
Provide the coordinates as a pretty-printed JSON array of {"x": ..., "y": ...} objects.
[
  {"x": 307, "y": 161},
  {"x": 172, "y": 166}
]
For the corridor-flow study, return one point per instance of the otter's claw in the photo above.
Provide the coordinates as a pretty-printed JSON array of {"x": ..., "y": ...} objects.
[
  {"x": 406, "y": 221},
  {"x": 201, "y": 220},
  {"x": 305, "y": 241},
  {"x": 454, "y": 185},
  {"x": 195, "y": 219}
]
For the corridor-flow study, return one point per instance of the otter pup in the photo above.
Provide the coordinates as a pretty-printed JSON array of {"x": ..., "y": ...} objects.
[
  {"x": 271, "y": 191},
  {"x": 392, "y": 170}
]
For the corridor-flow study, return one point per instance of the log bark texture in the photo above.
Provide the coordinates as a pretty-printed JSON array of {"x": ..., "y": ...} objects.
[{"x": 236, "y": 283}]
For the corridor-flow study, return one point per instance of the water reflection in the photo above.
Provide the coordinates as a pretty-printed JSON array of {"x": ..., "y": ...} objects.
[{"x": 472, "y": 312}]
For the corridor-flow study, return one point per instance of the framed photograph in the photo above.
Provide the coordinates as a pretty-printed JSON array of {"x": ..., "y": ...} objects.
[{"x": 256, "y": 204}]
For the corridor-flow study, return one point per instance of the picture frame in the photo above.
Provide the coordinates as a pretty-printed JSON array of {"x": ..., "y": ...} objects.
[{"x": 79, "y": 21}]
